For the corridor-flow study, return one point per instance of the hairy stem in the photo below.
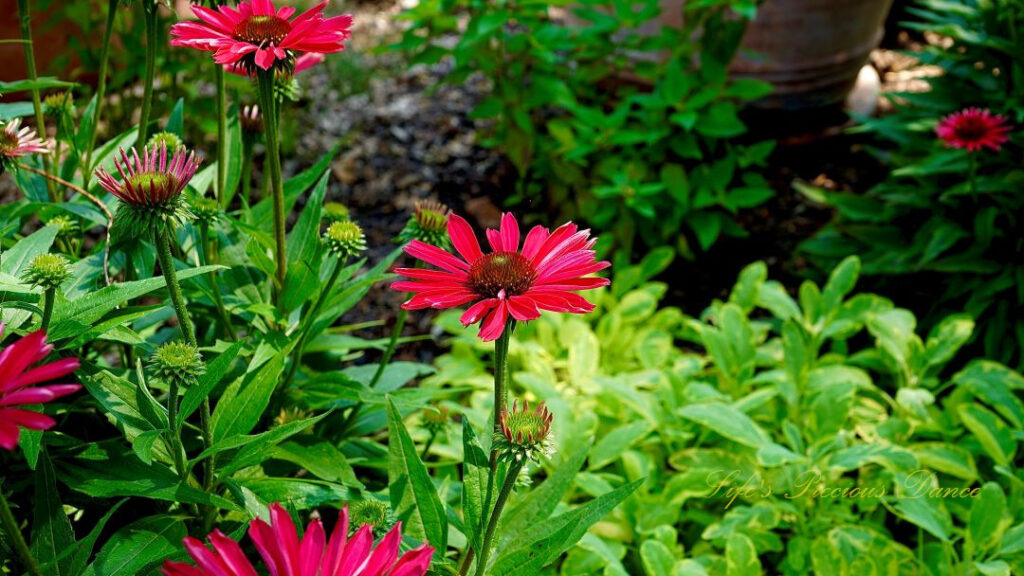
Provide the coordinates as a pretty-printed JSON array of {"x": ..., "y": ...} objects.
[
  {"x": 25, "y": 18},
  {"x": 10, "y": 526},
  {"x": 150, "y": 10},
  {"x": 163, "y": 245},
  {"x": 499, "y": 506},
  {"x": 268, "y": 101},
  {"x": 48, "y": 297},
  {"x": 222, "y": 136},
  {"x": 101, "y": 90}
]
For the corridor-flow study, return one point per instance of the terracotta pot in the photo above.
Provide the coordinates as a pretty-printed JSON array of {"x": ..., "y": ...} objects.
[{"x": 810, "y": 50}]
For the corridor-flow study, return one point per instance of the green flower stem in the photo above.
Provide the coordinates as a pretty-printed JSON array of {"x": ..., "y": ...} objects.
[
  {"x": 247, "y": 145},
  {"x": 10, "y": 526},
  {"x": 430, "y": 443},
  {"x": 307, "y": 325},
  {"x": 972, "y": 174},
  {"x": 163, "y": 246},
  {"x": 499, "y": 506},
  {"x": 25, "y": 18},
  {"x": 205, "y": 252},
  {"x": 500, "y": 394},
  {"x": 268, "y": 101},
  {"x": 163, "y": 253},
  {"x": 396, "y": 334},
  {"x": 101, "y": 90},
  {"x": 49, "y": 295},
  {"x": 222, "y": 135},
  {"x": 150, "y": 10}
]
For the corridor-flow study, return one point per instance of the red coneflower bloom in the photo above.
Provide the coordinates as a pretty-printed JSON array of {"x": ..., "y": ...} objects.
[
  {"x": 256, "y": 35},
  {"x": 284, "y": 554},
  {"x": 16, "y": 142},
  {"x": 151, "y": 180},
  {"x": 545, "y": 275},
  {"x": 18, "y": 385},
  {"x": 973, "y": 129},
  {"x": 304, "y": 62}
]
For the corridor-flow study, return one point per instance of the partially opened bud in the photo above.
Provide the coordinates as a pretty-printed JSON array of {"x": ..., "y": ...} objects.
[
  {"x": 429, "y": 224},
  {"x": 178, "y": 362},
  {"x": 250, "y": 120},
  {"x": 525, "y": 433},
  {"x": 48, "y": 271},
  {"x": 345, "y": 239}
]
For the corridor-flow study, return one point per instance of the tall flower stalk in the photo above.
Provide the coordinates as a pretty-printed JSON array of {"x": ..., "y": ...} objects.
[
  {"x": 25, "y": 20},
  {"x": 265, "y": 80},
  {"x": 101, "y": 90},
  {"x": 508, "y": 285},
  {"x": 151, "y": 18}
]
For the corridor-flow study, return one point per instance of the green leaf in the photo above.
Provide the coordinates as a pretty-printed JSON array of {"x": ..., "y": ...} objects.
[
  {"x": 720, "y": 121},
  {"x": 262, "y": 214},
  {"x": 475, "y": 468},
  {"x": 548, "y": 540},
  {"x": 540, "y": 502},
  {"x": 41, "y": 83},
  {"x": 321, "y": 459},
  {"x": 413, "y": 495},
  {"x": 656, "y": 558},
  {"x": 985, "y": 525},
  {"x": 256, "y": 448},
  {"x": 993, "y": 435},
  {"x": 946, "y": 458},
  {"x": 15, "y": 258},
  {"x": 245, "y": 399},
  {"x": 216, "y": 369},
  {"x": 840, "y": 283},
  {"x": 614, "y": 443},
  {"x": 81, "y": 314},
  {"x": 303, "y": 246},
  {"x": 176, "y": 122},
  {"x": 139, "y": 547},
  {"x": 926, "y": 513},
  {"x": 741, "y": 556},
  {"x": 51, "y": 529},
  {"x": 727, "y": 422}
]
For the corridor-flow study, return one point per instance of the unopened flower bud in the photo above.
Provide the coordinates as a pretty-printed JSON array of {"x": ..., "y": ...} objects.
[
  {"x": 178, "y": 362},
  {"x": 66, "y": 226},
  {"x": 376, "y": 513},
  {"x": 168, "y": 139},
  {"x": 345, "y": 239},
  {"x": 335, "y": 212},
  {"x": 435, "y": 418},
  {"x": 59, "y": 104},
  {"x": 205, "y": 209},
  {"x": 525, "y": 433},
  {"x": 47, "y": 271}
]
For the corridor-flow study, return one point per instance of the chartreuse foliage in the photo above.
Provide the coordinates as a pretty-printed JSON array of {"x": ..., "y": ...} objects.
[
  {"x": 610, "y": 116},
  {"x": 926, "y": 223},
  {"x": 783, "y": 435}
]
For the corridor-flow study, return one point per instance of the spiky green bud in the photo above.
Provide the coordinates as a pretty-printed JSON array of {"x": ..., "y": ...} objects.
[
  {"x": 169, "y": 139},
  {"x": 525, "y": 434},
  {"x": 376, "y": 513},
  {"x": 178, "y": 362},
  {"x": 205, "y": 209},
  {"x": 435, "y": 418},
  {"x": 429, "y": 224},
  {"x": 59, "y": 104},
  {"x": 345, "y": 239},
  {"x": 335, "y": 212},
  {"x": 47, "y": 271},
  {"x": 66, "y": 226}
]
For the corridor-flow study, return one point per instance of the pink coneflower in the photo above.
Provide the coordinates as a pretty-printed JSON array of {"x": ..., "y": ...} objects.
[
  {"x": 152, "y": 180},
  {"x": 256, "y": 35},
  {"x": 545, "y": 275},
  {"x": 16, "y": 142},
  {"x": 18, "y": 385},
  {"x": 304, "y": 62},
  {"x": 284, "y": 554},
  {"x": 973, "y": 129}
]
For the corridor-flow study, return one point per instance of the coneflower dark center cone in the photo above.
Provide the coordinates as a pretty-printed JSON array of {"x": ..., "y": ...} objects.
[
  {"x": 261, "y": 30},
  {"x": 972, "y": 129},
  {"x": 8, "y": 141},
  {"x": 501, "y": 271}
]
